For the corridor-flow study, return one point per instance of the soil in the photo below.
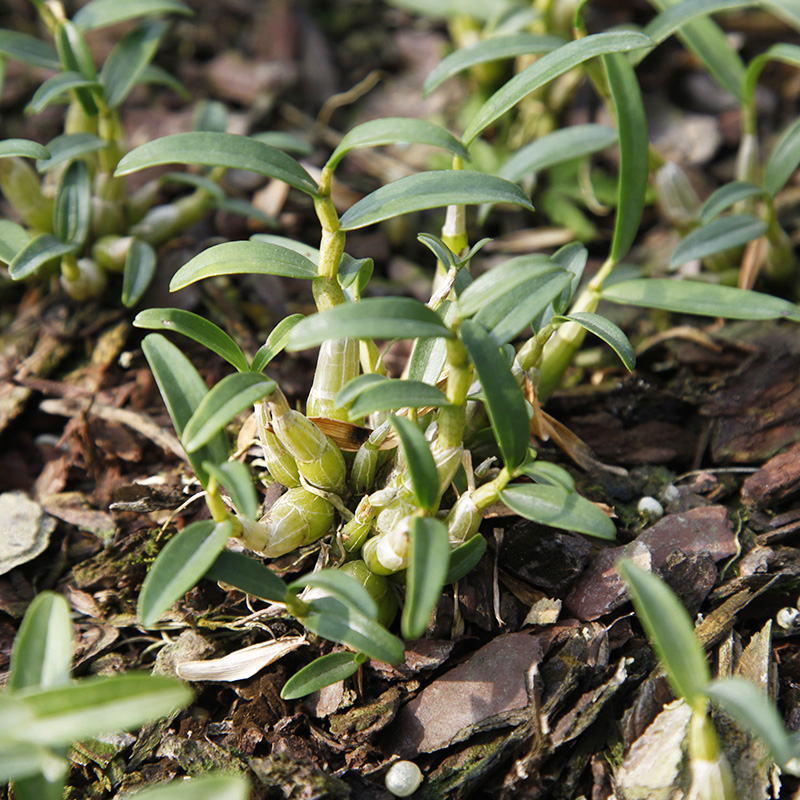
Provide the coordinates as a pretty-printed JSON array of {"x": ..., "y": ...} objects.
[{"x": 534, "y": 679}]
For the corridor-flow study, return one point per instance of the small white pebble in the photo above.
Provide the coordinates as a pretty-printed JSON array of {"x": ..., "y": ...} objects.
[
  {"x": 670, "y": 493},
  {"x": 788, "y": 618},
  {"x": 651, "y": 508},
  {"x": 403, "y": 778}
]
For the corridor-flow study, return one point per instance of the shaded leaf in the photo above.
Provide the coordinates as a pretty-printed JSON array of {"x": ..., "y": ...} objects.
[
  {"x": 102, "y": 13},
  {"x": 726, "y": 196},
  {"x": 391, "y": 395},
  {"x": 723, "y": 233},
  {"x": 783, "y": 159},
  {"x": 28, "y": 49},
  {"x": 783, "y": 52},
  {"x": 204, "y": 787},
  {"x": 559, "y": 508},
  {"x": 24, "y": 148},
  {"x": 428, "y": 564},
  {"x": 247, "y": 575},
  {"x": 36, "y": 253},
  {"x": 55, "y": 88},
  {"x": 343, "y": 587},
  {"x": 72, "y": 211},
  {"x": 321, "y": 672},
  {"x": 547, "y": 472},
  {"x": 419, "y": 462},
  {"x": 236, "y": 478},
  {"x": 673, "y": 18},
  {"x": 275, "y": 343},
  {"x": 140, "y": 267},
  {"x": 465, "y": 557},
  {"x": 13, "y": 237},
  {"x": 355, "y": 387},
  {"x": 69, "y": 146},
  {"x": 179, "y": 566},
  {"x": 606, "y": 330}
]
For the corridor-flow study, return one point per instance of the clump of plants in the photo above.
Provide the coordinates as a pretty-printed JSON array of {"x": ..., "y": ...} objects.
[
  {"x": 71, "y": 216},
  {"x": 396, "y": 474}
]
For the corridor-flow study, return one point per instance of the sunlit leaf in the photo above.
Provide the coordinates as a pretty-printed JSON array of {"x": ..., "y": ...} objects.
[
  {"x": 276, "y": 342},
  {"x": 204, "y": 787},
  {"x": 179, "y": 566},
  {"x": 391, "y": 395},
  {"x": 559, "y": 508},
  {"x": 722, "y": 233},
  {"x": 504, "y": 401},
  {"x": 248, "y": 575},
  {"x": 419, "y": 462},
  {"x": 606, "y": 330},
  {"x": 140, "y": 267},
  {"x": 428, "y": 564},
  {"x": 671, "y": 634},
  {"x": 24, "y": 148},
  {"x": 548, "y": 67},
  {"x": 321, "y": 672},
  {"x": 343, "y": 587},
  {"x": 674, "y": 18},
  {"x": 102, "y": 13}
]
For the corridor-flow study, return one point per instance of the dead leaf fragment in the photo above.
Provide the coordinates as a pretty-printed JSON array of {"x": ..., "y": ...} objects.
[{"x": 241, "y": 664}]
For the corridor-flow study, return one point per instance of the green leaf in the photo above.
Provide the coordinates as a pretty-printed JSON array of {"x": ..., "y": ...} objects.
[
  {"x": 13, "y": 238},
  {"x": 102, "y": 13},
  {"x": 343, "y": 587},
  {"x": 74, "y": 55},
  {"x": 692, "y": 297},
  {"x": 787, "y": 10},
  {"x": 492, "y": 49},
  {"x": 232, "y": 395},
  {"x": 573, "y": 258},
  {"x": 288, "y": 142},
  {"x": 70, "y": 146},
  {"x": 355, "y": 387},
  {"x": 219, "y": 150},
  {"x": 55, "y": 88},
  {"x": 395, "y": 130},
  {"x": 28, "y": 49},
  {"x": 465, "y": 557},
  {"x": 559, "y": 508},
  {"x": 24, "y": 148},
  {"x": 708, "y": 42},
  {"x": 633, "y": 152},
  {"x": 427, "y": 190},
  {"x": 606, "y": 330},
  {"x": 140, "y": 267},
  {"x": 321, "y": 672},
  {"x": 428, "y": 563},
  {"x": 128, "y": 60},
  {"x": 783, "y": 159},
  {"x": 36, "y": 253},
  {"x": 72, "y": 211},
  {"x": 243, "y": 258},
  {"x": 430, "y": 355},
  {"x": 419, "y": 462},
  {"x": 247, "y": 575},
  {"x": 671, "y": 634},
  {"x": 785, "y": 53},
  {"x": 549, "y": 473},
  {"x": 726, "y": 196},
  {"x": 333, "y": 620},
  {"x": 26, "y": 761},
  {"x": 484, "y": 10},
  {"x": 374, "y": 318},
  {"x": 276, "y": 342},
  {"x": 183, "y": 390},
  {"x": 750, "y": 707},
  {"x": 504, "y": 401},
  {"x": 674, "y": 18},
  {"x": 97, "y": 705},
  {"x": 153, "y": 74},
  {"x": 43, "y": 647},
  {"x": 236, "y": 478},
  {"x": 179, "y": 566},
  {"x": 562, "y": 145},
  {"x": 391, "y": 395},
  {"x": 195, "y": 327},
  {"x": 548, "y": 67},
  {"x": 723, "y": 233},
  {"x": 205, "y": 787}
]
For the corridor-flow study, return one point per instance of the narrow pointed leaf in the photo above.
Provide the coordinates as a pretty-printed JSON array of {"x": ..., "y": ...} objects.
[
  {"x": 726, "y": 196},
  {"x": 562, "y": 145},
  {"x": 633, "y": 152},
  {"x": 430, "y": 355},
  {"x": 28, "y": 49},
  {"x": 323, "y": 671},
  {"x": 783, "y": 52},
  {"x": 787, "y": 10},
  {"x": 140, "y": 267},
  {"x": 235, "y": 478},
  {"x": 243, "y": 258},
  {"x": 179, "y": 566},
  {"x": 74, "y": 54},
  {"x": 692, "y": 297},
  {"x": 428, "y": 564},
  {"x": 419, "y": 462},
  {"x": 232, "y": 395},
  {"x": 606, "y": 330},
  {"x": 247, "y": 575},
  {"x": 395, "y": 130},
  {"x": 356, "y": 387},
  {"x": 548, "y": 67},
  {"x": 23, "y": 148},
  {"x": 375, "y": 318},
  {"x": 465, "y": 557},
  {"x": 783, "y": 160},
  {"x": 504, "y": 401},
  {"x": 391, "y": 395},
  {"x": 13, "y": 238},
  {"x": 36, "y": 253},
  {"x": 128, "y": 60},
  {"x": 719, "y": 235},
  {"x": 492, "y": 49},
  {"x": 182, "y": 389},
  {"x": 427, "y": 190},
  {"x": 276, "y": 342},
  {"x": 102, "y": 13},
  {"x": 343, "y": 587},
  {"x": 72, "y": 212},
  {"x": 674, "y": 18},
  {"x": 56, "y": 87},
  {"x": 750, "y": 707},
  {"x": 205, "y": 787},
  {"x": 333, "y": 620},
  {"x": 559, "y": 508},
  {"x": 44, "y": 645},
  {"x": 195, "y": 327},
  {"x": 546, "y": 472},
  {"x": 219, "y": 150},
  {"x": 671, "y": 633},
  {"x": 69, "y": 146},
  {"x": 26, "y": 761}
]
